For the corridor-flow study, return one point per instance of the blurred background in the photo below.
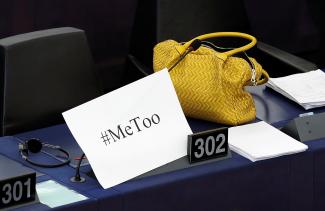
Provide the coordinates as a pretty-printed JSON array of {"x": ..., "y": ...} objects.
[{"x": 116, "y": 29}]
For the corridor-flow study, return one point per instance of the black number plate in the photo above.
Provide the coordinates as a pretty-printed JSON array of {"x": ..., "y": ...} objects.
[
  {"x": 17, "y": 190},
  {"x": 208, "y": 145}
]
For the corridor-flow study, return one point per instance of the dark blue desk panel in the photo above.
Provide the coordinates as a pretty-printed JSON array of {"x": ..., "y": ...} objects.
[
  {"x": 318, "y": 148},
  {"x": 9, "y": 148},
  {"x": 295, "y": 182},
  {"x": 234, "y": 184},
  {"x": 283, "y": 183},
  {"x": 273, "y": 107},
  {"x": 60, "y": 135}
]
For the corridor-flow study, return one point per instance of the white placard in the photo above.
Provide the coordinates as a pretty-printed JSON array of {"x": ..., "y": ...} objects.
[{"x": 131, "y": 130}]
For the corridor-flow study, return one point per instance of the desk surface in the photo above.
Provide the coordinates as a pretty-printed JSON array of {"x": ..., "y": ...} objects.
[
  {"x": 295, "y": 182},
  {"x": 273, "y": 107},
  {"x": 237, "y": 182}
]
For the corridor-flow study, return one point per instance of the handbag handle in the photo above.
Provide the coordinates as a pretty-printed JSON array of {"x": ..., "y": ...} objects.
[{"x": 224, "y": 55}]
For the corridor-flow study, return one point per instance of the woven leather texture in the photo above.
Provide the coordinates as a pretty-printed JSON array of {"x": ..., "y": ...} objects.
[{"x": 208, "y": 87}]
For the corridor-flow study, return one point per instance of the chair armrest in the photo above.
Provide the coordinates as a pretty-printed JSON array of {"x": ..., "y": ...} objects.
[{"x": 296, "y": 62}]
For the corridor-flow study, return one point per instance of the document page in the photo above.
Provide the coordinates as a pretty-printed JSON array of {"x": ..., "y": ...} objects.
[
  {"x": 307, "y": 89},
  {"x": 259, "y": 141}
]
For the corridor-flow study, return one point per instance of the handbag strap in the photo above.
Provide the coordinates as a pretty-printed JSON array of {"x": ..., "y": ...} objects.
[
  {"x": 264, "y": 79},
  {"x": 182, "y": 49},
  {"x": 224, "y": 55}
]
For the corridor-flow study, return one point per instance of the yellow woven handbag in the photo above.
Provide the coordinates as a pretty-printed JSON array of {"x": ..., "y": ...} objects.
[{"x": 210, "y": 84}]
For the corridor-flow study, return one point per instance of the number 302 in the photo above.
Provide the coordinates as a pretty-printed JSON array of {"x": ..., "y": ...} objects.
[{"x": 208, "y": 147}]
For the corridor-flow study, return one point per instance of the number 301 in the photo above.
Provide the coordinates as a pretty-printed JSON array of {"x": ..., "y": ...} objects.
[
  {"x": 15, "y": 191},
  {"x": 210, "y": 146}
]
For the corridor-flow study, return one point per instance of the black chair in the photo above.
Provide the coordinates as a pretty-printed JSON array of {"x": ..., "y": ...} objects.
[
  {"x": 107, "y": 25},
  {"x": 43, "y": 74},
  {"x": 182, "y": 20}
]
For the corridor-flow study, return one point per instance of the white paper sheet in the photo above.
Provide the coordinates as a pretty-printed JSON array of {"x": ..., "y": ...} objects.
[
  {"x": 54, "y": 194},
  {"x": 307, "y": 89},
  {"x": 146, "y": 148},
  {"x": 259, "y": 141}
]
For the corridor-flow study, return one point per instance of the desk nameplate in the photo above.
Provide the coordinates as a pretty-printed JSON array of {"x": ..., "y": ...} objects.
[
  {"x": 17, "y": 190},
  {"x": 208, "y": 145}
]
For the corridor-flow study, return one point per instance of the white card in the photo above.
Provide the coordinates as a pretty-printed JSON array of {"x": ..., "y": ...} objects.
[{"x": 143, "y": 125}]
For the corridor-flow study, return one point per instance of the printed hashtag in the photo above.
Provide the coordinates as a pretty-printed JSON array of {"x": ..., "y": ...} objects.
[{"x": 105, "y": 138}]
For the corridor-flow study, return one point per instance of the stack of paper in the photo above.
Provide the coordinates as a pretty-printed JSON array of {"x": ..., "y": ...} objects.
[
  {"x": 259, "y": 141},
  {"x": 307, "y": 89}
]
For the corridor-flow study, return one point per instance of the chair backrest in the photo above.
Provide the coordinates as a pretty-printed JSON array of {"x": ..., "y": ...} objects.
[
  {"x": 158, "y": 20},
  {"x": 42, "y": 74},
  {"x": 181, "y": 20},
  {"x": 107, "y": 24}
]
